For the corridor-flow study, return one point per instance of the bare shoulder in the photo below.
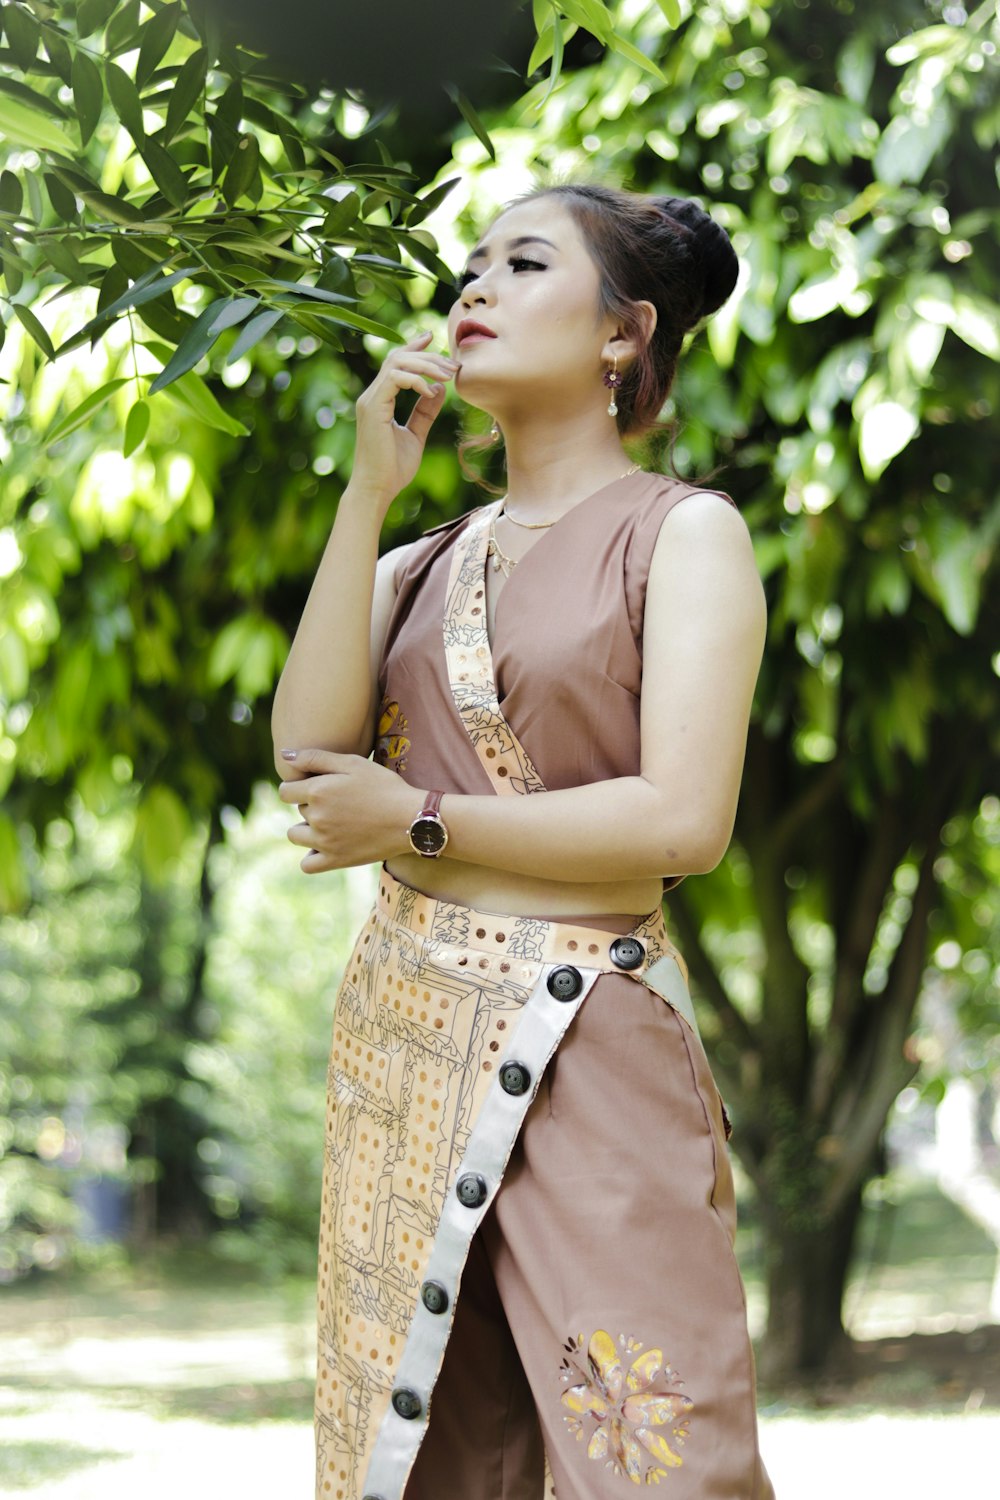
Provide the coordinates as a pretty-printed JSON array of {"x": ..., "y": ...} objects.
[
  {"x": 704, "y": 515},
  {"x": 703, "y": 558}
]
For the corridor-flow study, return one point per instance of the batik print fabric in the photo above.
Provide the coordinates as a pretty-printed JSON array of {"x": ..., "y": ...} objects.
[
  {"x": 470, "y": 665},
  {"x": 443, "y": 1026}
]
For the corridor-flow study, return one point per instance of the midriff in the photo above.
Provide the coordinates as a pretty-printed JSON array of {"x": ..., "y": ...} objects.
[{"x": 511, "y": 894}]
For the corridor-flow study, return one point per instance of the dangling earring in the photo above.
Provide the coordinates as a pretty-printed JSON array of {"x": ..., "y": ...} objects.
[
  {"x": 494, "y": 433},
  {"x": 613, "y": 381}
]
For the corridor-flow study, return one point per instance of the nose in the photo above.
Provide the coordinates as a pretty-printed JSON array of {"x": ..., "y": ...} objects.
[{"x": 478, "y": 290}]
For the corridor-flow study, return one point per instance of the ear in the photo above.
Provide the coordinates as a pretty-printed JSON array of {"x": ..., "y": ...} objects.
[{"x": 627, "y": 348}]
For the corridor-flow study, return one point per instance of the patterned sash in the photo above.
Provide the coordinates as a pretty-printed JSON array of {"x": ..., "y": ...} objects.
[{"x": 471, "y": 673}]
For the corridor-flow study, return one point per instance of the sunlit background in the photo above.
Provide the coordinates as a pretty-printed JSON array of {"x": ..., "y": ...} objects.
[{"x": 166, "y": 972}]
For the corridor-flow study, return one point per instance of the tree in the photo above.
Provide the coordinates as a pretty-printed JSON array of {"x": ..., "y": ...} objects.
[
  {"x": 850, "y": 381},
  {"x": 848, "y": 384}
]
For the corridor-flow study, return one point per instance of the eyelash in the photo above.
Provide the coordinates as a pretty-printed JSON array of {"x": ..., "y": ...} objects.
[{"x": 461, "y": 282}]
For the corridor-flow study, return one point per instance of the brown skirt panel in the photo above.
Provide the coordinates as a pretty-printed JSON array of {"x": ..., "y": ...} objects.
[{"x": 611, "y": 1226}]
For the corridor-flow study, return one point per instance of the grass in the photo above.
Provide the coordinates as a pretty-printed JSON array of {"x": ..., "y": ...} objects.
[{"x": 169, "y": 1376}]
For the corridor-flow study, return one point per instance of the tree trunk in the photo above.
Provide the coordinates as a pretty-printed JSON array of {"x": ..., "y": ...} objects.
[{"x": 806, "y": 1278}]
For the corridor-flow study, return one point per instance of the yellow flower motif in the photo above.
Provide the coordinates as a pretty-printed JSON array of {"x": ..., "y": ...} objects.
[
  {"x": 392, "y": 742},
  {"x": 617, "y": 1402}
]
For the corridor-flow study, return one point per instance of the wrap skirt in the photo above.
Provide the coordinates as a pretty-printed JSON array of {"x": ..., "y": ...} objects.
[{"x": 527, "y": 1285}]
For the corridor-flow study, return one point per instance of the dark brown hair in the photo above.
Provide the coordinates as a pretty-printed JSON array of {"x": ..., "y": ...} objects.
[{"x": 667, "y": 251}]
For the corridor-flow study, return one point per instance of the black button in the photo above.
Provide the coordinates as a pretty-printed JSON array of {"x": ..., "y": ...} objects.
[
  {"x": 472, "y": 1190},
  {"x": 406, "y": 1403},
  {"x": 627, "y": 953},
  {"x": 565, "y": 983},
  {"x": 434, "y": 1297},
  {"x": 515, "y": 1078},
  {"x": 371, "y": 1497}
]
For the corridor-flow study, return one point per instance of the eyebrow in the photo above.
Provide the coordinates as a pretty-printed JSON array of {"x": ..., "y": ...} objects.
[{"x": 522, "y": 239}]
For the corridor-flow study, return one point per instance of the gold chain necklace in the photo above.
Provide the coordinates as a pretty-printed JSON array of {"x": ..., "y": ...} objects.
[{"x": 503, "y": 563}]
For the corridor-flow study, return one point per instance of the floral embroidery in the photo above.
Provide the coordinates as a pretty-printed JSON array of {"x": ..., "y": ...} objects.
[
  {"x": 392, "y": 742},
  {"x": 619, "y": 1399}
]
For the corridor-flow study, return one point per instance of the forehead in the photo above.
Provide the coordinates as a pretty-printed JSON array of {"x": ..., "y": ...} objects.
[{"x": 542, "y": 220}]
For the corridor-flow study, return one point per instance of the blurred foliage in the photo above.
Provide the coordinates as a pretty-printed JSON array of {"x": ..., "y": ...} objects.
[
  {"x": 155, "y": 557},
  {"x": 159, "y": 1082}
]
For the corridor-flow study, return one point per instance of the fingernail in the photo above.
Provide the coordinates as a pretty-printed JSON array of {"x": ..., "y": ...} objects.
[{"x": 289, "y": 754}]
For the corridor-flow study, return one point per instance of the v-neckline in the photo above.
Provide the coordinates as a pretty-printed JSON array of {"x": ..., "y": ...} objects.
[{"x": 491, "y": 635}]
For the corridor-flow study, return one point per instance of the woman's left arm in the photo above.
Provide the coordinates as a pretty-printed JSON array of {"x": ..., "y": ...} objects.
[{"x": 703, "y": 638}]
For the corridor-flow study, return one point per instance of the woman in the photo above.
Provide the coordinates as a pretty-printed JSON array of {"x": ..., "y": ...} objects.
[{"x": 541, "y": 1242}]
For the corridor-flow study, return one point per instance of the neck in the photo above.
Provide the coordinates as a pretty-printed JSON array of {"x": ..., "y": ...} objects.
[{"x": 553, "y": 465}]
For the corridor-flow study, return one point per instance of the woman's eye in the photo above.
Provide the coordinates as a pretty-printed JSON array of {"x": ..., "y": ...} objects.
[{"x": 516, "y": 263}]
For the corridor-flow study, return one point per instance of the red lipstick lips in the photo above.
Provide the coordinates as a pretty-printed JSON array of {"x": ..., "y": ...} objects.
[{"x": 468, "y": 329}]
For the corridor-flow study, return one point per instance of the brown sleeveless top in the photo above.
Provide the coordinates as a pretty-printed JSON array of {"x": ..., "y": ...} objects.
[{"x": 554, "y": 701}]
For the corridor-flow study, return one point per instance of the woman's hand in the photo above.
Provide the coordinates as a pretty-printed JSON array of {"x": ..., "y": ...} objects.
[
  {"x": 388, "y": 454},
  {"x": 354, "y": 812}
]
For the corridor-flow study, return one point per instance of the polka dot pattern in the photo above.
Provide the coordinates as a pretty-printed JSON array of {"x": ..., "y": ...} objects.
[{"x": 427, "y": 1011}]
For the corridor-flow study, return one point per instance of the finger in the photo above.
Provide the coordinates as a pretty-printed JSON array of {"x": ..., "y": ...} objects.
[
  {"x": 316, "y": 863},
  {"x": 422, "y": 417},
  {"x": 318, "y": 762},
  {"x": 302, "y": 835}
]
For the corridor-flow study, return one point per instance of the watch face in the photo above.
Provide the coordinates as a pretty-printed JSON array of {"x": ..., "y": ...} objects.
[{"x": 428, "y": 836}]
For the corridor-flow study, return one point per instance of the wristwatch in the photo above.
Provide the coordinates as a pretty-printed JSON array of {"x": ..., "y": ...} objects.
[{"x": 427, "y": 833}]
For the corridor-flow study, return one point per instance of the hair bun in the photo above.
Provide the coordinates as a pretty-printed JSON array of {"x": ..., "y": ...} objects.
[{"x": 717, "y": 259}]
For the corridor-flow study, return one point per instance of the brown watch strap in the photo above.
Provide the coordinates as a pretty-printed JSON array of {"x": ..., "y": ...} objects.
[{"x": 432, "y": 805}]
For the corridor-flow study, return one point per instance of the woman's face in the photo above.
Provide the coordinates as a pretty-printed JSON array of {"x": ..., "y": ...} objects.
[{"x": 532, "y": 284}]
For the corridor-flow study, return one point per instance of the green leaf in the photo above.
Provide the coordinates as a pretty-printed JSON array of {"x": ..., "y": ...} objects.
[
  {"x": 254, "y": 331},
  {"x": 304, "y": 289},
  {"x": 119, "y": 210},
  {"x": 425, "y": 256},
  {"x": 625, "y": 48},
  {"x": 542, "y": 50},
  {"x": 123, "y": 28},
  {"x": 88, "y": 94},
  {"x": 910, "y": 144},
  {"x": 471, "y": 118},
  {"x": 146, "y": 289},
  {"x": 59, "y": 255},
  {"x": 125, "y": 100},
  {"x": 29, "y": 127},
  {"x": 92, "y": 15},
  {"x": 40, "y": 335},
  {"x": 191, "y": 392},
  {"x": 340, "y": 214},
  {"x": 162, "y": 827},
  {"x": 974, "y": 318},
  {"x": 62, "y": 198},
  {"x": 157, "y": 34},
  {"x": 166, "y": 173},
  {"x": 23, "y": 35},
  {"x": 206, "y": 328},
  {"x": 80, "y": 414},
  {"x": 32, "y": 98},
  {"x": 592, "y": 15},
  {"x": 885, "y": 429},
  {"x": 136, "y": 427},
  {"x": 250, "y": 649},
  {"x": 242, "y": 169},
  {"x": 14, "y": 887},
  {"x": 672, "y": 10},
  {"x": 186, "y": 93},
  {"x": 59, "y": 54},
  {"x": 356, "y": 320},
  {"x": 429, "y": 203},
  {"x": 11, "y": 193}
]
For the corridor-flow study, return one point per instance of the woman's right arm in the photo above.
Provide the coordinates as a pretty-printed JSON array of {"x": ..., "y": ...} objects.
[{"x": 327, "y": 691}]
